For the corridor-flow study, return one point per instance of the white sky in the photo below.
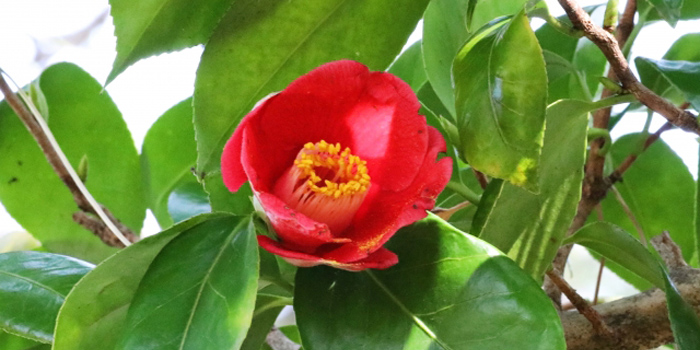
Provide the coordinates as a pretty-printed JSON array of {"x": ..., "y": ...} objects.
[{"x": 151, "y": 86}]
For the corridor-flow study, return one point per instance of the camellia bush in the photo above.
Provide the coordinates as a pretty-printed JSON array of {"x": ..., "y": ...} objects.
[{"x": 425, "y": 198}]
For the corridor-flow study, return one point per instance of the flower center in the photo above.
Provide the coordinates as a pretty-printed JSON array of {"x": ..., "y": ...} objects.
[{"x": 325, "y": 184}]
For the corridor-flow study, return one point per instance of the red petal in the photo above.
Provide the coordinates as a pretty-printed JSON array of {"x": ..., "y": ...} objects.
[
  {"x": 231, "y": 168},
  {"x": 295, "y": 230},
  {"x": 373, "y": 113},
  {"x": 381, "y": 259},
  {"x": 388, "y": 211}
]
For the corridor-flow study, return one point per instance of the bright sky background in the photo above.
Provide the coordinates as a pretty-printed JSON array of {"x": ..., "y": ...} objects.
[{"x": 37, "y": 33}]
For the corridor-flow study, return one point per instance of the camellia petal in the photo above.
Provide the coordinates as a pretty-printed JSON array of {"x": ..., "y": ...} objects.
[{"x": 339, "y": 161}]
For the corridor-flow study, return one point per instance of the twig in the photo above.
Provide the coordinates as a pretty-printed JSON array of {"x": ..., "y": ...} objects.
[
  {"x": 612, "y": 51},
  {"x": 483, "y": 181},
  {"x": 669, "y": 251},
  {"x": 581, "y": 305},
  {"x": 617, "y": 173},
  {"x": 278, "y": 341},
  {"x": 55, "y": 156},
  {"x": 598, "y": 280},
  {"x": 630, "y": 215},
  {"x": 446, "y": 213}
]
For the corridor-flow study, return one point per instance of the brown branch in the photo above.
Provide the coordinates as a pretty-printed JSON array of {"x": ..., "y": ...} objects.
[
  {"x": 278, "y": 341},
  {"x": 601, "y": 268},
  {"x": 581, "y": 305},
  {"x": 638, "y": 322},
  {"x": 669, "y": 251},
  {"x": 446, "y": 213},
  {"x": 53, "y": 156}
]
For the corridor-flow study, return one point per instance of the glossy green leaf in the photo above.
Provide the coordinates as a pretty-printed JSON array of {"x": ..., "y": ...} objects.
[
  {"x": 659, "y": 190},
  {"x": 685, "y": 48},
  {"x": 528, "y": 226},
  {"x": 446, "y": 26},
  {"x": 448, "y": 291},
  {"x": 409, "y": 67},
  {"x": 292, "y": 332},
  {"x": 148, "y": 27},
  {"x": 669, "y": 10},
  {"x": 94, "y": 313},
  {"x": 267, "y": 308},
  {"x": 13, "y": 342},
  {"x": 199, "y": 292},
  {"x": 33, "y": 287},
  {"x": 262, "y": 45},
  {"x": 501, "y": 89},
  {"x": 608, "y": 239},
  {"x": 85, "y": 122},
  {"x": 168, "y": 154},
  {"x": 685, "y": 323}
]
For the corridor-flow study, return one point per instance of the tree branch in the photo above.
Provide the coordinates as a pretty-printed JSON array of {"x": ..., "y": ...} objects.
[{"x": 107, "y": 228}]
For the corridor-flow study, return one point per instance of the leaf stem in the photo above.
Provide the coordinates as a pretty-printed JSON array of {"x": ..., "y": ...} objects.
[{"x": 464, "y": 191}]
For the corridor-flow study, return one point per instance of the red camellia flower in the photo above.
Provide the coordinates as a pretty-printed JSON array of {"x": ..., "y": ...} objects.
[{"x": 339, "y": 161}]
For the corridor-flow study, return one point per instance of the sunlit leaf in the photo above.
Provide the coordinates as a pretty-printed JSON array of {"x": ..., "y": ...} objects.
[
  {"x": 409, "y": 67},
  {"x": 501, "y": 88},
  {"x": 262, "y": 45},
  {"x": 683, "y": 75},
  {"x": 94, "y": 313},
  {"x": 149, "y": 27},
  {"x": 528, "y": 226},
  {"x": 199, "y": 292}
]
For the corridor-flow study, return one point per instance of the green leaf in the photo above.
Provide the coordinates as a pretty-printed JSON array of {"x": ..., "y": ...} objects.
[
  {"x": 85, "y": 122},
  {"x": 659, "y": 190},
  {"x": 33, "y": 287},
  {"x": 669, "y": 10},
  {"x": 187, "y": 200},
  {"x": 684, "y": 321},
  {"x": 262, "y": 45},
  {"x": 685, "y": 48},
  {"x": 448, "y": 291},
  {"x": 148, "y": 27},
  {"x": 501, "y": 89},
  {"x": 221, "y": 199},
  {"x": 409, "y": 67},
  {"x": 681, "y": 74},
  {"x": 446, "y": 26},
  {"x": 13, "y": 342},
  {"x": 168, "y": 154},
  {"x": 292, "y": 332},
  {"x": 607, "y": 239},
  {"x": 199, "y": 292},
  {"x": 267, "y": 308},
  {"x": 94, "y": 313},
  {"x": 533, "y": 236}
]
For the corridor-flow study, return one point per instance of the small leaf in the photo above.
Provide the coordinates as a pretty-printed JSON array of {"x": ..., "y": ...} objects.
[
  {"x": 33, "y": 287},
  {"x": 199, "y": 292},
  {"x": 94, "y": 313},
  {"x": 85, "y": 122},
  {"x": 501, "y": 89},
  {"x": 262, "y": 45},
  {"x": 684, "y": 321},
  {"x": 608, "y": 239},
  {"x": 448, "y": 291},
  {"x": 533, "y": 236},
  {"x": 148, "y": 27}
]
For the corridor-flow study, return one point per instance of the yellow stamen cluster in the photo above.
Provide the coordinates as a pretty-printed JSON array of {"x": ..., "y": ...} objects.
[{"x": 348, "y": 173}]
